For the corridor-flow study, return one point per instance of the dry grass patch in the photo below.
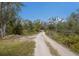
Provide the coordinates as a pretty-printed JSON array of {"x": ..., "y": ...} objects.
[{"x": 16, "y": 48}]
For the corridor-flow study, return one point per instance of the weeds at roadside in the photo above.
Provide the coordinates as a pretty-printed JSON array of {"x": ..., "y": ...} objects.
[{"x": 16, "y": 48}]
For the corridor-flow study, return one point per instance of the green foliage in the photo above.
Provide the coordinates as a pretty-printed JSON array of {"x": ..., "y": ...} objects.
[
  {"x": 9, "y": 13},
  {"x": 75, "y": 47},
  {"x": 70, "y": 41},
  {"x": 67, "y": 32},
  {"x": 37, "y": 25},
  {"x": 18, "y": 28},
  {"x": 30, "y": 28},
  {"x": 10, "y": 27}
]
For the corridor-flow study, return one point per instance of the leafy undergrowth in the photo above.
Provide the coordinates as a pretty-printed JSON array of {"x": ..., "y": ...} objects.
[
  {"x": 52, "y": 50},
  {"x": 70, "y": 41},
  {"x": 27, "y": 33},
  {"x": 16, "y": 48}
]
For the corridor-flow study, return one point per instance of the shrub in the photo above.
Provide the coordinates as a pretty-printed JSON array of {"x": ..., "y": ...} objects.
[{"x": 75, "y": 47}]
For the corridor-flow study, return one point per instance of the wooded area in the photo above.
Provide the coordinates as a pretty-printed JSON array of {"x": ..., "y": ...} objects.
[
  {"x": 66, "y": 30},
  {"x": 12, "y": 23}
]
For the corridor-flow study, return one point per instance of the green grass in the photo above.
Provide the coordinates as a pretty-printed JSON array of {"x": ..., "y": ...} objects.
[
  {"x": 16, "y": 48},
  {"x": 70, "y": 41},
  {"x": 52, "y": 50}
]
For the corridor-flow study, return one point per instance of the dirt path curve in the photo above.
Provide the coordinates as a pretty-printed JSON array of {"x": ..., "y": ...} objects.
[
  {"x": 43, "y": 50},
  {"x": 63, "y": 51},
  {"x": 41, "y": 47}
]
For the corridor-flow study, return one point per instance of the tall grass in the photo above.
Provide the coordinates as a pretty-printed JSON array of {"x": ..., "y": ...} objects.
[
  {"x": 70, "y": 41},
  {"x": 16, "y": 48}
]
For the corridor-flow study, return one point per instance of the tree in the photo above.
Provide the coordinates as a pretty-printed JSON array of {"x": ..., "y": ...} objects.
[
  {"x": 37, "y": 25},
  {"x": 73, "y": 22},
  {"x": 8, "y": 11},
  {"x": 52, "y": 24},
  {"x": 18, "y": 29}
]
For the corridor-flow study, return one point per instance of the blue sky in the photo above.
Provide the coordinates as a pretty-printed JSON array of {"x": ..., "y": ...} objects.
[{"x": 44, "y": 10}]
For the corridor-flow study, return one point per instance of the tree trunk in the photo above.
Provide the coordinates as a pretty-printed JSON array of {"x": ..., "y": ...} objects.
[
  {"x": 2, "y": 22},
  {"x": 4, "y": 30},
  {"x": 1, "y": 32}
]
